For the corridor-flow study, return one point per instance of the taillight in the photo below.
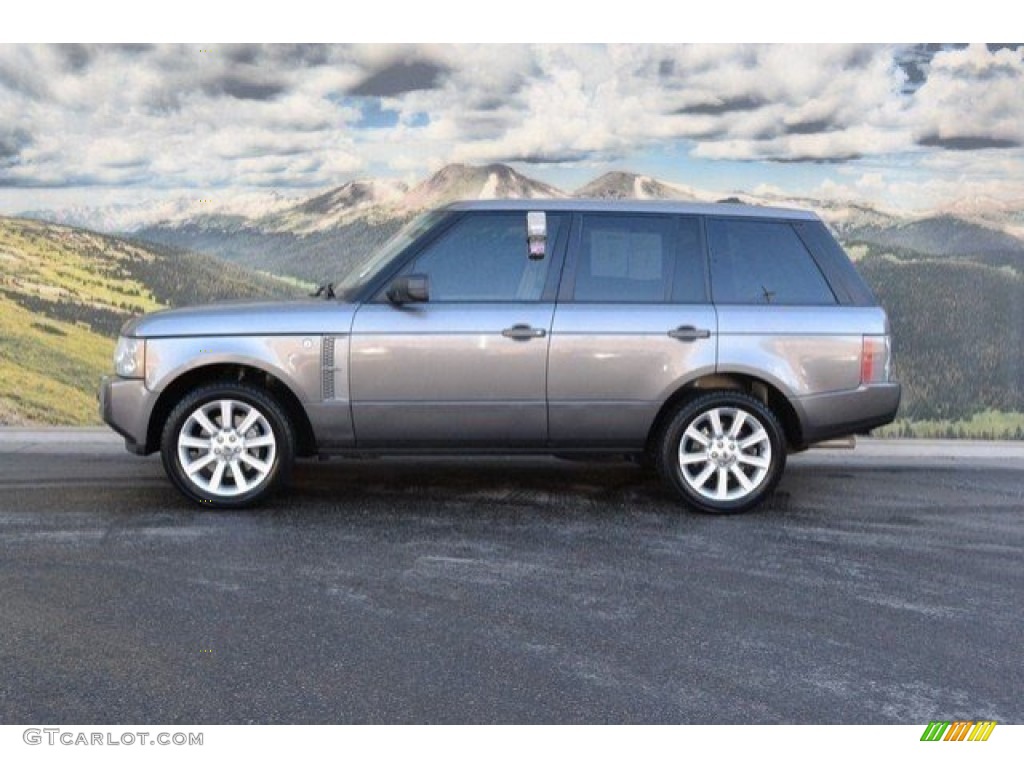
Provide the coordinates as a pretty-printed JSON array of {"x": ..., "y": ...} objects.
[{"x": 874, "y": 360}]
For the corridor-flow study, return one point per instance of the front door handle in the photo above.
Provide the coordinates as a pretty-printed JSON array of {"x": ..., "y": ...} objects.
[
  {"x": 689, "y": 333},
  {"x": 523, "y": 332}
]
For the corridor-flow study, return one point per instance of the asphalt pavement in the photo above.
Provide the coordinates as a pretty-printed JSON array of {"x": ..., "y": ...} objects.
[{"x": 880, "y": 585}]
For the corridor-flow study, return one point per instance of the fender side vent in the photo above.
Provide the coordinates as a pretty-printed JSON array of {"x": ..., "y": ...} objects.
[{"x": 327, "y": 367}]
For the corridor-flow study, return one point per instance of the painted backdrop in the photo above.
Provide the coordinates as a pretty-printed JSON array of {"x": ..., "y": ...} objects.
[{"x": 134, "y": 177}]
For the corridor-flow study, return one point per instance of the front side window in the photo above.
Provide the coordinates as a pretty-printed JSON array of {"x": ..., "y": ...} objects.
[
  {"x": 484, "y": 257},
  {"x": 763, "y": 262},
  {"x": 355, "y": 280}
]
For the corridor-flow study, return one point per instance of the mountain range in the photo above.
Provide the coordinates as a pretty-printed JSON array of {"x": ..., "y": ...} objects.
[{"x": 321, "y": 237}]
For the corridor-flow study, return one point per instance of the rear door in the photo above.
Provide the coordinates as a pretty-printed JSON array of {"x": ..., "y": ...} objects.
[{"x": 633, "y": 320}]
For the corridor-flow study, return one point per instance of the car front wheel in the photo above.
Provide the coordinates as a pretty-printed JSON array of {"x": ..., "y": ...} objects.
[
  {"x": 227, "y": 445},
  {"x": 724, "y": 452}
]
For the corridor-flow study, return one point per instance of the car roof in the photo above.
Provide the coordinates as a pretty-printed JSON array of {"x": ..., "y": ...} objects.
[{"x": 634, "y": 206}]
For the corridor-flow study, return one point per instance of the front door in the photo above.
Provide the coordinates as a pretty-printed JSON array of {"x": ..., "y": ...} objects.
[{"x": 468, "y": 368}]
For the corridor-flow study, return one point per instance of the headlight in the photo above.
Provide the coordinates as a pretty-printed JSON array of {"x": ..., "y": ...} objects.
[{"x": 130, "y": 357}]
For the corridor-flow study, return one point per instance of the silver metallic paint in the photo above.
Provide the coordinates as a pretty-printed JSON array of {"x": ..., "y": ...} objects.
[
  {"x": 439, "y": 376},
  {"x": 426, "y": 373},
  {"x": 294, "y": 360},
  {"x": 246, "y": 319},
  {"x": 612, "y": 366},
  {"x": 799, "y": 350},
  {"x": 126, "y": 405}
]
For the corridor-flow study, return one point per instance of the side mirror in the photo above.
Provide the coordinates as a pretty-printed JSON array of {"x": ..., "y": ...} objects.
[
  {"x": 409, "y": 289},
  {"x": 536, "y": 234}
]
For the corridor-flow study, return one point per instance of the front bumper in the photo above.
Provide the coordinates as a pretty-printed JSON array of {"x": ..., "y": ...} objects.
[
  {"x": 125, "y": 405},
  {"x": 838, "y": 414}
]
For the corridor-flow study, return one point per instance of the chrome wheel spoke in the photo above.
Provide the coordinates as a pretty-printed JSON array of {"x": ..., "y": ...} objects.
[
  {"x": 742, "y": 479},
  {"x": 722, "y": 489},
  {"x": 199, "y": 463},
  {"x": 754, "y": 461},
  {"x": 247, "y": 423},
  {"x": 194, "y": 442},
  {"x": 702, "y": 478},
  {"x": 218, "y": 476},
  {"x": 737, "y": 424},
  {"x": 260, "y": 442},
  {"x": 260, "y": 466},
  {"x": 236, "y": 472},
  {"x": 716, "y": 422},
  {"x": 697, "y": 436},
  {"x": 203, "y": 421},
  {"x": 759, "y": 436},
  {"x": 225, "y": 414},
  {"x": 692, "y": 458}
]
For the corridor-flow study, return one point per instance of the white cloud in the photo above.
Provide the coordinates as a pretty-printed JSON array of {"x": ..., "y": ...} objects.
[
  {"x": 310, "y": 117},
  {"x": 923, "y": 194},
  {"x": 971, "y": 100}
]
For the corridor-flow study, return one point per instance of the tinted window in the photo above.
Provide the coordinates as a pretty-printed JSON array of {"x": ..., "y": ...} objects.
[
  {"x": 484, "y": 257},
  {"x": 835, "y": 264},
  {"x": 763, "y": 262},
  {"x": 625, "y": 259}
]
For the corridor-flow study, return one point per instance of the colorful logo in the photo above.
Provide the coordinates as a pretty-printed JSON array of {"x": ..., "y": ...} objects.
[{"x": 959, "y": 730}]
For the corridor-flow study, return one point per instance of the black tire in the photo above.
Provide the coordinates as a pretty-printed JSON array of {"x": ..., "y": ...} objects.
[
  {"x": 722, "y": 473},
  {"x": 263, "y": 453}
]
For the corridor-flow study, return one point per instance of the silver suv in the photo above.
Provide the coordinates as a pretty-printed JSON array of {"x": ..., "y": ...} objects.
[{"x": 709, "y": 340}]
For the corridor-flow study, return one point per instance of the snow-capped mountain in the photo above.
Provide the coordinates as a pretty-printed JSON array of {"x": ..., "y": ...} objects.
[
  {"x": 131, "y": 217},
  {"x": 336, "y": 207},
  {"x": 620, "y": 185},
  {"x": 475, "y": 182},
  {"x": 1007, "y": 215}
]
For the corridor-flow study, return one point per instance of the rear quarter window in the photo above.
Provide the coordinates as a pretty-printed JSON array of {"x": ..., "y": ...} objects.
[{"x": 763, "y": 262}]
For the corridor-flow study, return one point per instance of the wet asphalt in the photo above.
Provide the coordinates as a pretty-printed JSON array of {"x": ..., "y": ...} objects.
[{"x": 510, "y": 591}]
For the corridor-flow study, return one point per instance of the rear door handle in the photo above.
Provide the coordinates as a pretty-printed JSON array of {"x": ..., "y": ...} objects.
[
  {"x": 689, "y": 333},
  {"x": 523, "y": 332}
]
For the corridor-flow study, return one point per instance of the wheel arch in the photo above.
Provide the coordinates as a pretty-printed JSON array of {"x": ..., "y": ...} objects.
[
  {"x": 763, "y": 390},
  {"x": 232, "y": 372}
]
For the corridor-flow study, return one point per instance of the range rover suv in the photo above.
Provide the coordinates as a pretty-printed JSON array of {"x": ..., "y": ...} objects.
[{"x": 708, "y": 340}]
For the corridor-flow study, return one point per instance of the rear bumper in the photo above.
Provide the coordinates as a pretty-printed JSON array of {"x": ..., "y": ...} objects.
[
  {"x": 837, "y": 414},
  {"x": 125, "y": 405}
]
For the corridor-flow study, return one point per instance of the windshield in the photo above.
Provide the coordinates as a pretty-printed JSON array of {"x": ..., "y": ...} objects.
[{"x": 361, "y": 275}]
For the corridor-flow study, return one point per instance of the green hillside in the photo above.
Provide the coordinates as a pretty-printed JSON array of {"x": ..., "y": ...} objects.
[
  {"x": 958, "y": 333},
  {"x": 945, "y": 236},
  {"x": 64, "y": 294},
  {"x": 318, "y": 257}
]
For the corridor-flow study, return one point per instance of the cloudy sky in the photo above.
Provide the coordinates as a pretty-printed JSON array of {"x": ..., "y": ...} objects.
[{"x": 907, "y": 126}]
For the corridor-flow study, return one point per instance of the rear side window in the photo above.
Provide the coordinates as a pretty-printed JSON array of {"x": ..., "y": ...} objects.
[
  {"x": 639, "y": 259},
  {"x": 763, "y": 262}
]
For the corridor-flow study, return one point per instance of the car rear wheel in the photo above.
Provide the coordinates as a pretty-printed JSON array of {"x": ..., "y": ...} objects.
[
  {"x": 723, "y": 452},
  {"x": 227, "y": 445}
]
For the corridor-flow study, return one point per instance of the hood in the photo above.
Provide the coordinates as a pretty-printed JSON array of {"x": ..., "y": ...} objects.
[{"x": 246, "y": 319}]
